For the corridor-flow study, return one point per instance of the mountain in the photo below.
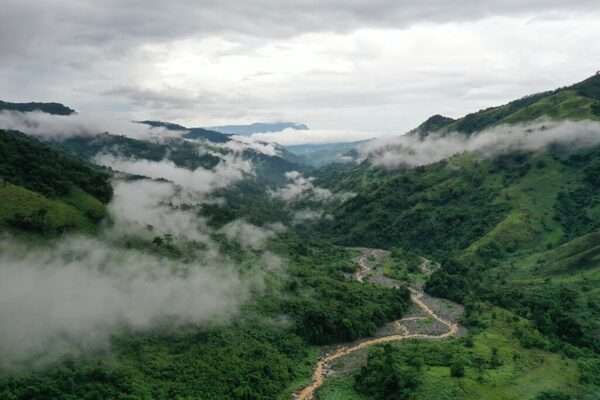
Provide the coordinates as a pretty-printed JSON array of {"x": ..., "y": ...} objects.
[
  {"x": 160, "y": 124},
  {"x": 190, "y": 153},
  {"x": 183, "y": 153},
  {"x": 258, "y": 127},
  {"x": 190, "y": 133},
  {"x": 577, "y": 102},
  {"x": 220, "y": 134},
  {"x": 518, "y": 228},
  {"x": 432, "y": 124},
  {"x": 210, "y": 135},
  {"x": 500, "y": 250},
  {"x": 49, "y": 108},
  {"x": 44, "y": 190}
]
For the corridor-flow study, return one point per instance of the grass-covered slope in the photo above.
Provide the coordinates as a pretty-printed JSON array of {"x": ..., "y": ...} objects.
[
  {"x": 45, "y": 190},
  {"x": 493, "y": 362},
  {"x": 577, "y": 102},
  {"x": 518, "y": 229}
]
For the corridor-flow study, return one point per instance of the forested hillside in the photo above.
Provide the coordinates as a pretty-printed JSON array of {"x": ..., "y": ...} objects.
[
  {"x": 44, "y": 190},
  {"x": 578, "y": 102},
  {"x": 517, "y": 228}
]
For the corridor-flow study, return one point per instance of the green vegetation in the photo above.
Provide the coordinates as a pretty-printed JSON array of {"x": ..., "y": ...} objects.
[
  {"x": 31, "y": 164},
  {"x": 578, "y": 102},
  {"x": 326, "y": 305},
  {"x": 259, "y": 356},
  {"x": 24, "y": 210},
  {"x": 517, "y": 237},
  {"x": 404, "y": 266},
  {"x": 45, "y": 191},
  {"x": 269, "y": 170},
  {"x": 183, "y": 154},
  {"x": 387, "y": 376},
  {"x": 490, "y": 363}
]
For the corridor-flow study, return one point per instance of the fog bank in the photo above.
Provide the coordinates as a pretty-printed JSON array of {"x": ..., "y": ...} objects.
[
  {"x": 411, "y": 151},
  {"x": 73, "y": 297}
]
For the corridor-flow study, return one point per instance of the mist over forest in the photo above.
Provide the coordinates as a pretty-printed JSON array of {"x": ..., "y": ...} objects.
[{"x": 252, "y": 200}]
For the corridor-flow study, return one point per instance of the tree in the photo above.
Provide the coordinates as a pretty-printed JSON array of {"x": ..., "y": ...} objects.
[
  {"x": 387, "y": 377},
  {"x": 457, "y": 368}
]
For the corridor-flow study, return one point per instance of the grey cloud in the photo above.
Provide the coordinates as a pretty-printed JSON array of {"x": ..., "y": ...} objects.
[
  {"x": 95, "y": 56},
  {"x": 118, "y": 22}
]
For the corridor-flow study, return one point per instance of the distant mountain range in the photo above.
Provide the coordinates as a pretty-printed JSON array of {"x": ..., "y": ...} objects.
[{"x": 258, "y": 127}]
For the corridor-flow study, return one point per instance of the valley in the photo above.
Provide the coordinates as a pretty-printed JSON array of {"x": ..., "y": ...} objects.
[
  {"x": 458, "y": 261},
  {"x": 323, "y": 366}
]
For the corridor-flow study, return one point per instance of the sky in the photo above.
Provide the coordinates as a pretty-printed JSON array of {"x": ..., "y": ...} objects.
[{"x": 350, "y": 69}]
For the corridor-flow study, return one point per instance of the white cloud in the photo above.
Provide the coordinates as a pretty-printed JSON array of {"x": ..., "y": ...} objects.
[
  {"x": 290, "y": 137},
  {"x": 230, "y": 169},
  {"x": 239, "y": 144},
  {"x": 249, "y": 235},
  {"x": 301, "y": 188},
  {"x": 151, "y": 208},
  {"x": 62, "y": 126},
  {"x": 73, "y": 296},
  {"x": 411, "y": 151}
]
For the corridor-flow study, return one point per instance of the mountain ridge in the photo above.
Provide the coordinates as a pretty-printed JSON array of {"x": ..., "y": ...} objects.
[
  {"x": 48, "y": 108},
  {"x": 580, "y": 101}
]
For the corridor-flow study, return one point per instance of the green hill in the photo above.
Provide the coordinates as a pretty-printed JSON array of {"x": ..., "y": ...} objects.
[
  {"x": 44, "y": 190},
  {"x": 518, "y": 229},
  {"x": 578, "y": 102}
]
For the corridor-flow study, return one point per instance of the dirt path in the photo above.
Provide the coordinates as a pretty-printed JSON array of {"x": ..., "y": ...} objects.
[
  {"x": 416, "y": 296},
  {"x": 363, "y": 265}
]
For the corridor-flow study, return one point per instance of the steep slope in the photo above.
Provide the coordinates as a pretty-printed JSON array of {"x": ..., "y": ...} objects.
[
  {"x": 183, "y": 153},
  {"x": 517, "y": 228},
  {"x": 578, "y": 102},
  {"x": 44, "y": 190}
]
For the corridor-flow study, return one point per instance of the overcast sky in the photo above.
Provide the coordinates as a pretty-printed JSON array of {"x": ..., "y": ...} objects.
[{"x": 372, "y": 66}]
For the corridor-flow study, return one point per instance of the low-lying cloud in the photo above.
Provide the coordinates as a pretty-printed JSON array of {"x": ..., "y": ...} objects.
[
  {"x": 72, "y": 297},
  {"x": 239, "y": 144},
  {"x": 58, "y": 127},
  {"x": 251, "y": 236},
  {"x": 411, "y": 151},
  {"x": 144, "y": 207},
  {"x": 290, "y": 137},
  {"x": 299, "y": 187},
  {"x": 229, "y": 170}
]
